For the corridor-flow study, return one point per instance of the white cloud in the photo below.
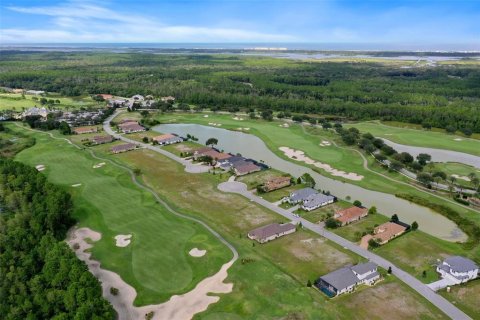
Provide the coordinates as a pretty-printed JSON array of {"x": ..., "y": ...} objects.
[{"x": 83, "y": 21}]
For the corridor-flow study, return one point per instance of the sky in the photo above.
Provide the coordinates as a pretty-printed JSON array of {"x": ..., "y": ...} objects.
[{"x": 244, "y": 21}]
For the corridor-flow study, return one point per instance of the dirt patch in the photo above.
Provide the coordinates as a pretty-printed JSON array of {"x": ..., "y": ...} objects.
[
  {"x": 178, "y": 307},
  {"x": 387, "y": 299},
  {"x": 183, "y": 148},
  {"x": 197, "y": 253},
  {"x": 123, "y": 240},
  {"x": 315, "y": 249},
  {"x": 465, "y": 178},
  {"x": 299, "y": 155}
]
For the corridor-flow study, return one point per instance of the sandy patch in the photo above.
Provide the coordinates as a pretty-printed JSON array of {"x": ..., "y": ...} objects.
[
  {"x": 243, "y": 129},
  {"x": 465, "y": 178},
  {"x": 123, "y": 240},
  {"x": 325, "y": 143},
  {"x": 183, "y": 148},
  {"x": 177, "y": 308},
  {"x": 215, "y": 124},
  {"x": 205, "y": 116},
  {"x": 76, "y": 185},
  {"x": 300, "y": 156},
  {"x": 285, "y": 125},
  {"x": 99, "y": 165},
  {"x": 197, "y": 253},
  {"x": 388, "y": 134},
  {"x": 40, "y": 167},
  {"x": 458, "y": 139},
  {"x": 238, "y": 119}
]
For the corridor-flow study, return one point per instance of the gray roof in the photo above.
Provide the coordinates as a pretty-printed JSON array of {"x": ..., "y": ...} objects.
[
  {"x": 302, "y": 194},
  {"x": 341, "y": 278},
  {"x": 317, "y": 199},
  {"x": 270, "y": 230},
  {"x": 460, "y": 264},
  {"x": 372, "y": 275},
  {"x": 363, "y": 268}
]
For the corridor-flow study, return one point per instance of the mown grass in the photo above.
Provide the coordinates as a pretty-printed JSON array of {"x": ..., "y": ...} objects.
[
  {"x": 108, "y": 202},
  {"x": 13, "y": 101},
  {"x": 420, "y": 138}
]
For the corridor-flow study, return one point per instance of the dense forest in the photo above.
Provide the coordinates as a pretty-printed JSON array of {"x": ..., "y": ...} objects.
[
  {"x": 40, "y": 276},
  {"x": 442, "y": 96}
]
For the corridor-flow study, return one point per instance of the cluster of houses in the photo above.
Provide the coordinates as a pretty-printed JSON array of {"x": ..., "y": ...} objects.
[
  {"x": 23, "y": 91},
  {"x": 137, "y": 100},
  {"x": 309, "y": 199}
]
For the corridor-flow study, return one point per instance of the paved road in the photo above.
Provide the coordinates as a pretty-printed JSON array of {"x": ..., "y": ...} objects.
[
  {"x": 437, "y": 300},
  {"x": 240, "y": 188}
]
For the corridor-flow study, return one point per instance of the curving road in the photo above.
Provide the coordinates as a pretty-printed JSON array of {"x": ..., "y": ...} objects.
[
  {"x": 239, "y": 188},
  {"x": 437, "y": 300}
]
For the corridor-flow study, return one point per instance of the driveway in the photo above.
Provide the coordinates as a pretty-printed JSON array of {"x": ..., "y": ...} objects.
[{"x": 440, "y": 284}]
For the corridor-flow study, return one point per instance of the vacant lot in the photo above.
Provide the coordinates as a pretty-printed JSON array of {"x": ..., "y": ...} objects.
[{"x": 466, "y": 297}]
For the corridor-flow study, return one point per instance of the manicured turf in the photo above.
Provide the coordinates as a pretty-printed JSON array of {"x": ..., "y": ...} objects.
[
  {"x": 420, "y": 138},
  {"x": 454, "y": 168},
  {"x": 157, "y": 262},
  {"x": 12, "y": 101}
]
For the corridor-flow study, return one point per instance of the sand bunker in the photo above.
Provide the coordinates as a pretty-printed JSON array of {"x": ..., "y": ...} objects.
[
  {"x": 195, "y": 252},
  {"x": 243, "y": 129},
  {"x": 76, "y": 185},
  {"x": 40, "y": 167},
  {"x": 465, "y": 178},
  {"x": 285, "y": 125},
  {"x": 205, "y": 116},
  {"x": 215, "y": 124},
  {"x": 300, "y": 156},
  {"x": 325, "y": 143},
  {"x": 458, "y": 139},
  {"x": 123, "y": 240},
  {"x": 101, "y": 164},
  {"x": 177, "y": 308},
  {"x": 237, "y": 118}
]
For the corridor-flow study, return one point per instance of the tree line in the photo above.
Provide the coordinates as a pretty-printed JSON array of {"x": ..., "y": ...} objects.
[{"x": 40, "y": 276}]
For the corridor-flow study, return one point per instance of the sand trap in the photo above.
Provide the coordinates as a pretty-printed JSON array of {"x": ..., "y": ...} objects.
[
  {"x": 178, "y": 307},
  {"x": 40, "y": 167},
  {"x": 285, "y": 125},
  {"x": 388, "y": 134},
  {"x": 76, "y": 185},
  {"x": 101, "y": 164},
  {"x": 465, "y": 178},
  {"x": 123, "y": 240},
  {"x": 205, "y": 116},
  {"x": 458, "y": 139},
  {"x": 243, "y": 129},
  {"x": 237, "y": 118},
  {"x": 325, "y": 143},
  {"x": 300, "y": 156},
  {"x": 195, "y": 252},
  {"x": 215, "y": 124}
]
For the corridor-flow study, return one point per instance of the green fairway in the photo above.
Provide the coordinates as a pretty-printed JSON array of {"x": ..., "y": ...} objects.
[
  {"x": 458, "y": 170},
  {"x": 13, "y": 101},
  {"x": 157, "y": 262},
  {"x": 420, "y": 138}
]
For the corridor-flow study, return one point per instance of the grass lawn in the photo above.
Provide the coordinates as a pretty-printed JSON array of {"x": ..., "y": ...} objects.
[
  {"x": 466, "y": 297},
  {"x": 420, "y": 138},
  {"x": 157, "y": 262},
  {"x": 454, "y": 168},
  {"x": 322, "y": 213},
  {"x": 186, "y": 146},
  {"x": 13, "y": 101},
  {"x": 255, "y": 179}
]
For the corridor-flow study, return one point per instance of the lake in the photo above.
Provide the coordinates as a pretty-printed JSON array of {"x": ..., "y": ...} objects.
[{"x": 253, "y": 147}]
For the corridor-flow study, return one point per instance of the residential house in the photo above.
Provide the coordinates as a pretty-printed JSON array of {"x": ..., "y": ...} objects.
[
  {"x": 138, "y": 97},
  {"x": 350, "y": 215},
  {"x": 211, "y": 152},
  {"x": 301, "y": 195},
  {"x": 165, "y": 139},
  {"x": 105, "y": 96},
  {"x": 276, "y": 183},
  {"x": 316, "y": 201},
  {"x": 387, "y": 231},
  {"x": 346, "y": 279},
  {"x": 167, "y": 99},
  {"x": 117, "y": 102},
  {"x": 458, "y": 269},
  {"x": 271, "y": 232},
  {"x": 131, "y": 127},
  {"x": 102, "y": 139},
  {"x": 35, "y": 92},
  {"x": 242, "y": 168},
  {"x": 123, "y": 148},
  {"x": 43, "y": 112},
  {"x": 83, "y": 130}
]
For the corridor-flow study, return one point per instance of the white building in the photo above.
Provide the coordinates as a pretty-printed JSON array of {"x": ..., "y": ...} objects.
[
  {"x": 458, "y": 269},
  {"x": 43, "y": 112}
]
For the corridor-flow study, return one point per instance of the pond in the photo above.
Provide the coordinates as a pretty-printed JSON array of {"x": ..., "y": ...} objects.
[
  {"x": 253, "y": 147},
  {"x": 438, "y": 155}
]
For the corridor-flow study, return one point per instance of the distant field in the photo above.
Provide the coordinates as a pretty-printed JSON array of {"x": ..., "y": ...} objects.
[
  {"x": 12, "y": 101},
  {"x": 420, "y": 138}
]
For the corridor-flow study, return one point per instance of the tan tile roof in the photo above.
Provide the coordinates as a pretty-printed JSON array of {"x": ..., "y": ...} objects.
[
  {"x": 163, "y": 137},
  {"x": 387, "y": 231},
  {"x": 84, "y": 130},
  {"x": 350, "y": 214}
]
